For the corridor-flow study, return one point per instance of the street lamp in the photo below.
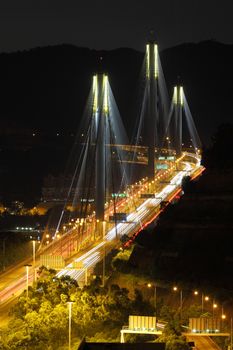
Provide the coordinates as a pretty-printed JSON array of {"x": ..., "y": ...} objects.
[
  {"x": 175, "y": 289},
  {"x": 149, "y": 285},
  {"x": 27, "y": 278},
  {"x": 203, "y": 299},
  {"x": 70, "y": 315},
  {"x": 196, "y": 293},
  {"x": 34, "y": 258},
  {"x": 214, "y": 307},
  {"x": 104, "y": 257},
  {"x": 231, "y": 335}
]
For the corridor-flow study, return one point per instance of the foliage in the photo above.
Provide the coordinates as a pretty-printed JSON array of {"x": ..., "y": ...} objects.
[
  {"x": 177, "y": 343},
  {"x": 119, "y": 262},
  {"x": 41, "y": 321},
  {"x": 219, "y": 155}
]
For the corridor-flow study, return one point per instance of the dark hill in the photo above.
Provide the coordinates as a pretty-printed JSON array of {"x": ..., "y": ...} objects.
[
  {"x": 44, "y": 91},
  {"x": 193, "y": 240},
  {"x": 46, "y": 88}
]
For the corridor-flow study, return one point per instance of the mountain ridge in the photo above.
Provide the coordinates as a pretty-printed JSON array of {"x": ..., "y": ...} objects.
[{"x": 60, "y": 79}]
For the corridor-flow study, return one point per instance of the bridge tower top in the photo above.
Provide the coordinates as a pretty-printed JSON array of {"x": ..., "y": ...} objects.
[{"x": 152, "y": 71}]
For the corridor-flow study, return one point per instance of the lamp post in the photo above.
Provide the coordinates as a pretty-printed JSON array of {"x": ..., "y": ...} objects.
[
  {"x": 34, "y": 258},
  {"x": 4, "y": 251},
  {"x": 203, "y": 299},
  {"x": 196, "y": 293},
  {"x": 149, "y": 285},
  {"x": 175, "y": 289},
  {"x": 70, "y": 316},
  {"x": 231, "y": 335},
  {"x": 27, "y": 278},
  {"x": 214, "y": 307},
  {"x": 104, "y": 240}
]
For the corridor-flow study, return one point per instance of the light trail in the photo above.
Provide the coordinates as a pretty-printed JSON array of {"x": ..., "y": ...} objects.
[
  {"x": 137, "y": 220},
  {"x": 141, "y": 213}
]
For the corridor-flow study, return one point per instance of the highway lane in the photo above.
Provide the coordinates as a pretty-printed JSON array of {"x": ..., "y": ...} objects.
[
  {"x": 135, "y": 219},
  {"x": 203, "y": 343},
  {"x": 14, "y": 282}
]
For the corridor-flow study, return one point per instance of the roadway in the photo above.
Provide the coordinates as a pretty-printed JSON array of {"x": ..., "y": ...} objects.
[
  {"x": 13, "y": 281},
  {"x": 203, "y": 342},
  {"x": 145, "y": 212}
]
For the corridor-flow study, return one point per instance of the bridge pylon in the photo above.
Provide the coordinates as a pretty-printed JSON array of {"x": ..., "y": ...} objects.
[
  {"x": 152, "y": 115},
  {"x": 100, "y": 113},
  {"x": 178, "y": 100}
]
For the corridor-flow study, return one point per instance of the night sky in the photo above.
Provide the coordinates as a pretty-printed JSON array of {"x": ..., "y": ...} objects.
[{"x": 110, "y": 24}]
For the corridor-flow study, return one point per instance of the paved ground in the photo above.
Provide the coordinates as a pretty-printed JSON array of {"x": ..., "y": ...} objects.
[{"x": 203, "y": 343}]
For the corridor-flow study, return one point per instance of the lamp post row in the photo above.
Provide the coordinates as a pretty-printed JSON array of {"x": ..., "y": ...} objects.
[{"x": 203, "y": 299}]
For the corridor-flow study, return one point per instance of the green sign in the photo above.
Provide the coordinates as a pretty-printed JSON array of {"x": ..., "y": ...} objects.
[
  {"x": 161, "y": 166},
  {"x": 120, "y": 195}
]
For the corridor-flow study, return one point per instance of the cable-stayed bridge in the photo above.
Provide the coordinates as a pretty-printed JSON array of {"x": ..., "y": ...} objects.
[{"x": 118, "y": 187}]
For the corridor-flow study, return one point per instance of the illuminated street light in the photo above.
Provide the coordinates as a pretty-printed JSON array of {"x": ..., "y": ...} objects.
[
  {"x": 231, "y": 348},
  {"x": 175, "y": 289},
  {"x": 27, "y": 278},
  {"x": 34, "y": 258},
  {"x": 214, "y": 307},
  {"x": 70, "y": 316},
  {"x": 104, "y": 255},
  {"x": 149, "y": 285},
  {"x": 203, "y": 298}
]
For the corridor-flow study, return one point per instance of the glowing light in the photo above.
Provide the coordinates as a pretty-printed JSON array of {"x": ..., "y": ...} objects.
[
  {"x": 156, "y": 61},
  {"x": 105, "y": 107},
  {"x": 181, "y": 95},
  {"x": 148, "y": 60},
  {"x": 195, "y": 292},
  {"x": 139, "y": 215},
  {"x": 95, "y": 94},
  {"x": 175, "y": 95}
]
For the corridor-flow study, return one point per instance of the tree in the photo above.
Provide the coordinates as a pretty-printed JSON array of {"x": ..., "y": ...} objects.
[
  {"x": 219, "y": 155},
  {"x": 177, "y": 343}
]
